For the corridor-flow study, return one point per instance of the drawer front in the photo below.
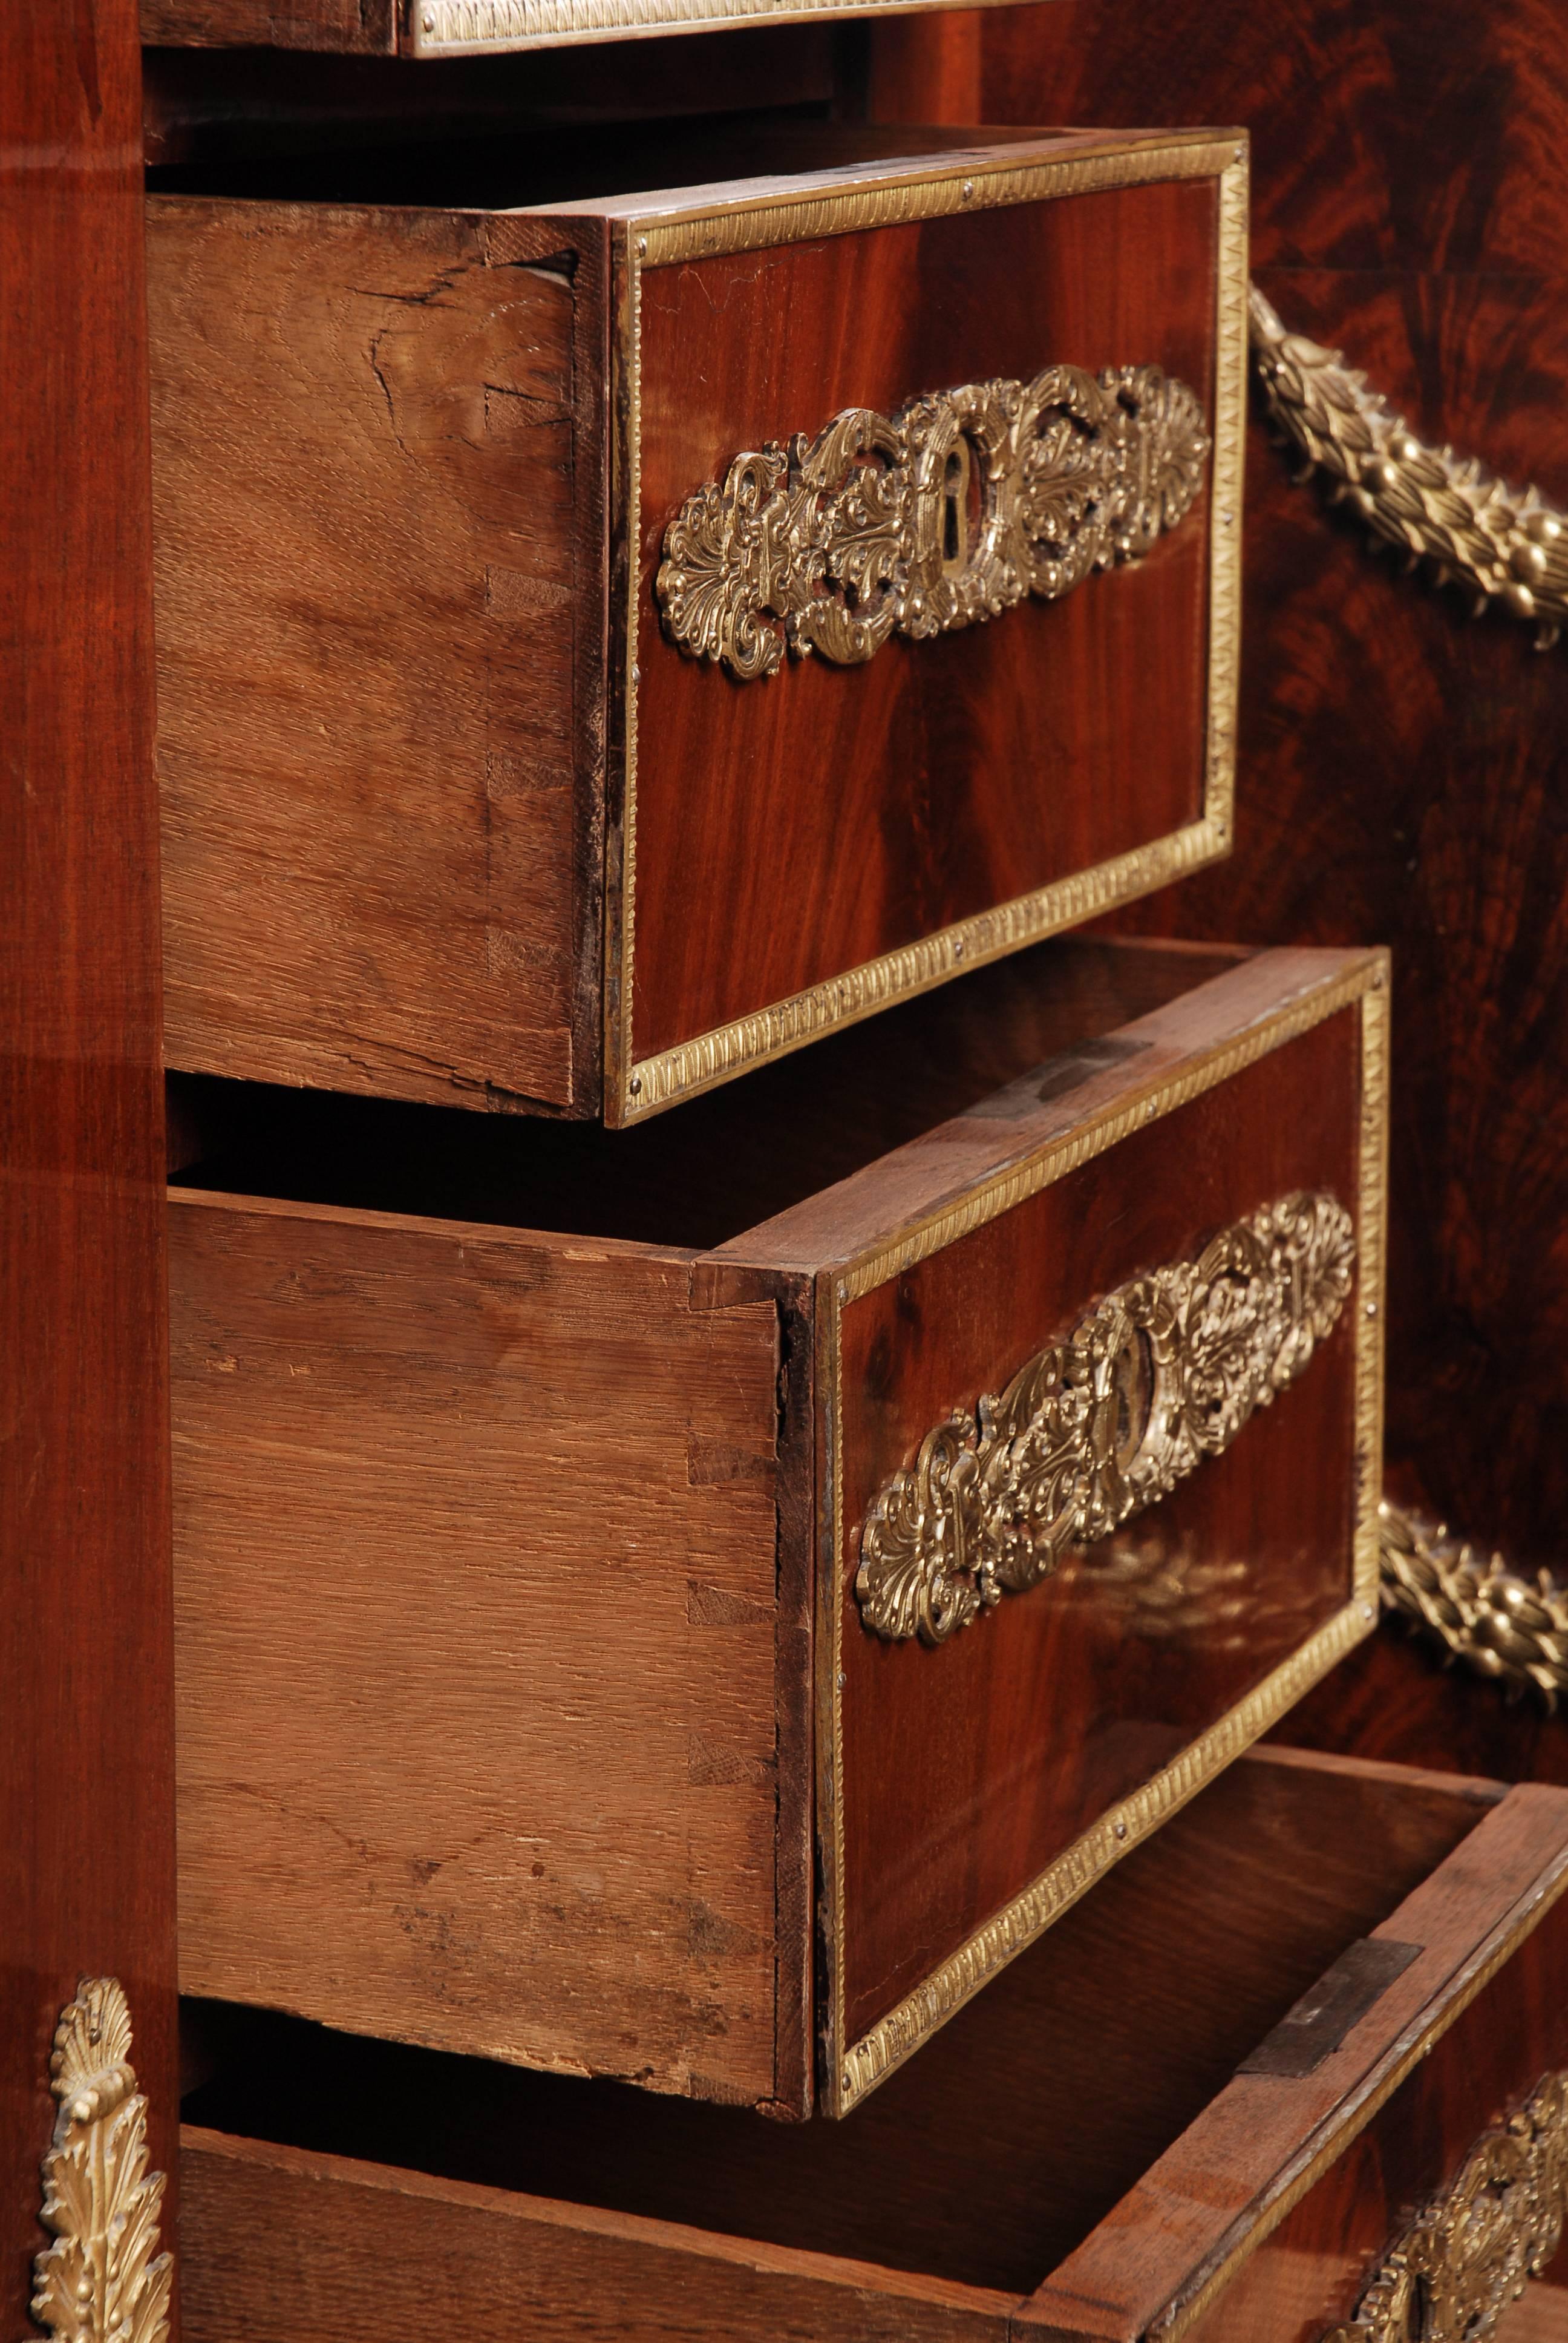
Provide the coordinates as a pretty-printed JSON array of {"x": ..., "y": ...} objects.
[
  {"x": 823, "y": 813},
  {"x": 975, "y": 1778}
]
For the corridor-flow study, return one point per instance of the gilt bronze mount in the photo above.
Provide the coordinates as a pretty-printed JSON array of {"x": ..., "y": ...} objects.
[
  {"x": 1473, "y": 2250},
  {"x": 103, "y": 2280},
  {"x": 1160, "y": 1374},
  {"x": 959, "y": 506}
]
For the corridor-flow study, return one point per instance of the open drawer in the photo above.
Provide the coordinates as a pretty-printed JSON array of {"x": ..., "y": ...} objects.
[
  {"x": 606, "y": 640},
  {"x": 1252, "y": 2089},
  {"x": 718, "y": 1591}
]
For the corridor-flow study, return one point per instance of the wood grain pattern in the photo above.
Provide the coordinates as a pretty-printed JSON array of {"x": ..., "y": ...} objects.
[
  {"x": 369, "y": 25},
  {"x": 87, "y": 1753},
  {"x": 1175, "y": 2234},
  {"x": 1310, "y": 2273},
  {"x": 476, "y": 1592},
  {"x": 1403, "y": 773},
  {"x": 278, "y": 2237},
  {"x": 368, "y": 598},
  {"x": 1084, "y": 2113}
]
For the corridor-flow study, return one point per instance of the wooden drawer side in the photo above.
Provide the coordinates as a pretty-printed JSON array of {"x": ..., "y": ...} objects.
[
  {"x": 370, "y": 617},
  {"x": 477, "y": 1615}
]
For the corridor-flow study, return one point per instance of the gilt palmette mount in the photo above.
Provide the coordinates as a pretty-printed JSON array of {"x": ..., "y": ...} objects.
[
  {"x": 103, "y": 2280},
  {"x": 962, "y": 504},
  {"x": 1159, "y": 1374}
]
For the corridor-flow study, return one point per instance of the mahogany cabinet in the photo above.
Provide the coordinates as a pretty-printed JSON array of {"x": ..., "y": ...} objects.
[
  {"x": 866, "y": 1501},
  {"x": 605, "y": 641},
  {"x": 1302, "y": 2054}
]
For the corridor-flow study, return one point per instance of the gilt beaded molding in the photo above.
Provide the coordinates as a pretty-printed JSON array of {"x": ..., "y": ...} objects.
[
  {"x": 1162, "y": 1373},
  {"x": 103, "y": 2280}
]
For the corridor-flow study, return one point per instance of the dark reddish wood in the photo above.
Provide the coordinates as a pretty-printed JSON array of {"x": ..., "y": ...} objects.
[
  {"x": 789, "y": 829},
  {"x": 1072, "y": 1699},
  {"x": 1394, "y": 1698},
  {"x": 87, "y": 1758},
  {"x": 1403, "y": 773},
  {"x": 1048, "y": 2096}
]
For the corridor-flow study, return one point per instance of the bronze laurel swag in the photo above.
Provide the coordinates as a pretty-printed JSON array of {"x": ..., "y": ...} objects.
[
  {"x": 948, "y": 513},
  {"x": 1163, "y": 1373}
]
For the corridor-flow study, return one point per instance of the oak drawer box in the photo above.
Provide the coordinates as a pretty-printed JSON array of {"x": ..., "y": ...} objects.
[
  {"x": 603, "y": 648},
  {"x": 954, "y": 1449},
  {"x": 1296, "y": 2070}
]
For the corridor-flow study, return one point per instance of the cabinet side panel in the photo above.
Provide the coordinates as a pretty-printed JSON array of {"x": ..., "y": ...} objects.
[
  {"x": 86, "y": 1737},
  {"x": 475, "y": 1591},
  {"x": 363, "y": 451}
]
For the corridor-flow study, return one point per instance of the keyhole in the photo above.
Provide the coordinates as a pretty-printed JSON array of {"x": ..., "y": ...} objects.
[{"x": 956, "y": 509}]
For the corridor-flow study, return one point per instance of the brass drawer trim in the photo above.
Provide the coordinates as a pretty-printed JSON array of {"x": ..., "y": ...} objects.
[
  {"x": 1158, "y": 1375},
  {"x": 851, "y": 2069},
  {"x": 1473, "y": 2250},
  {"x": 103, "y": 2274},
  {"x": 977, "y": 181},
  {"x": 865, "y": 531}
]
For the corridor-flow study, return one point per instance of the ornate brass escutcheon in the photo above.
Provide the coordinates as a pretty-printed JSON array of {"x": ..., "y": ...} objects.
[
  {"x": 1163, "y": 1373},
  {"x": 960, "y": 506},
  {"x": 1474, "y": 2249}
]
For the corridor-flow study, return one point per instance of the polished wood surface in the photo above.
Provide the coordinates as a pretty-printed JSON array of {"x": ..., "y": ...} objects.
[
  {"x": 1096, "y": 2077},
  {"x": 791, "y": 828},
  {"x": 387, "y": 528},
  {"x": 495, "y": 1542},
  {"x": 967, "y": 1771},
  {"x": 1395, "y": 1698},
  {"x": 86, "y": 1757},
  {"x": 1404, "y": 771}
]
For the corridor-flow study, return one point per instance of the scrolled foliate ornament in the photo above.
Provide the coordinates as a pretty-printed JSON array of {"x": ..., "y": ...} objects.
[
  {"x": 962, "y": 504},
  {"x": 1163, "y": 1373}
]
